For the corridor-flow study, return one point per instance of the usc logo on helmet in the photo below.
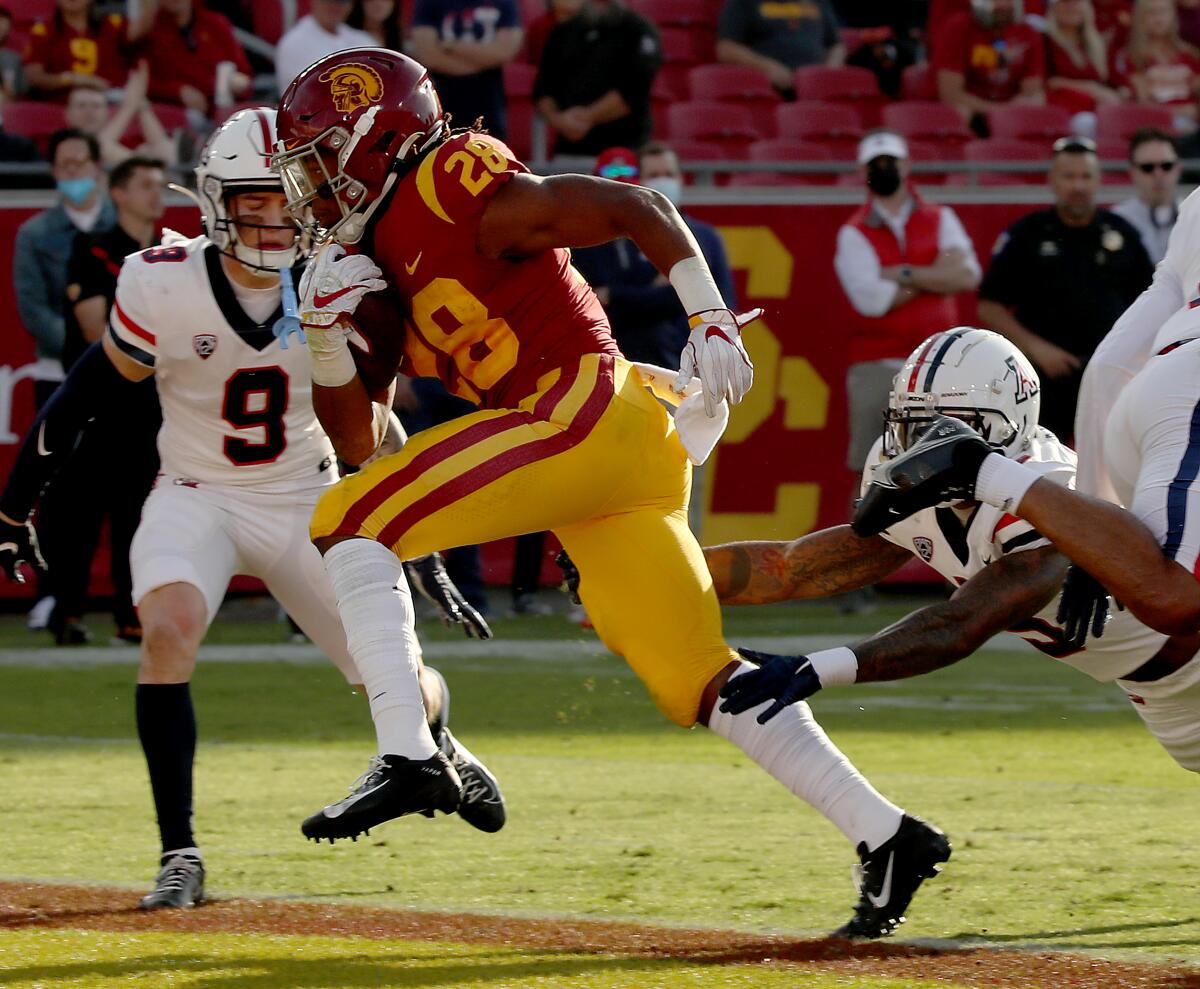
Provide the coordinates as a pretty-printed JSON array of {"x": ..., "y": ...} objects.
[{"x": 353, "y": 86}]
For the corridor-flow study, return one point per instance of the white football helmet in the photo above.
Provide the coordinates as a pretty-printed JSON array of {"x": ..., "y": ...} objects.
[
  {"x": 237, "y": 158},
  {"x": 974, "y": 375}
]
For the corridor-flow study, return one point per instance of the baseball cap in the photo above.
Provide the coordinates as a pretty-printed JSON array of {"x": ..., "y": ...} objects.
[
  {"x": 620, "y": 164},
  {"x": 882, "y": 142}
]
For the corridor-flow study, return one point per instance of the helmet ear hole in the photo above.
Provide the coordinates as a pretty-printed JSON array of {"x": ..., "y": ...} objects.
[{"x": 383, "y": 142}]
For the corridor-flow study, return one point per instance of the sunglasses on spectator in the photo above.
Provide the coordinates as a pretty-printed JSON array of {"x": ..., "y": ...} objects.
[
  {"x": 1149, "y": 166},
  {"x": 618, "y": 171}
]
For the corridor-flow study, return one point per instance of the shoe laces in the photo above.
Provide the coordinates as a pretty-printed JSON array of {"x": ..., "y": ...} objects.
[
  {"x": 176, "y": 873},
  {"x": 374, "y": 768},
  {"x": 474, "y": 786}
]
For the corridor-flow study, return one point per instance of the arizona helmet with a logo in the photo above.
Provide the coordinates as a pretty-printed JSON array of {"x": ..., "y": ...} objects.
[
  {"x": 237, "y": 158},
  {"x": 974, "y": 375},
  {"x": 349, "y": 126}
]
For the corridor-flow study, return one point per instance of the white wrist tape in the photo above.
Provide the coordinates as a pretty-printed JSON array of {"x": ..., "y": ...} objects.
[
  {"x": 835, "y": 666},
  {"x": 332, "y": 362},
  {"x": 694, "y": 284},
  {"x": 1002, "y": 482}
]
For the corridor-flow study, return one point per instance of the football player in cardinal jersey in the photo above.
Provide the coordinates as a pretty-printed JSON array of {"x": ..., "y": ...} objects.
[
  {"x": 244, "y": 461},
  {"x": 569, "y": 436},
  {"x": 1008, "y": 575}
]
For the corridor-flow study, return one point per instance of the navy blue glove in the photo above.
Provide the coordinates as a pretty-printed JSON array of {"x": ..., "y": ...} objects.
[
  {"x": 783, "y": 679},
  {"x": 1083, "y": 603},
  {"x": 18, "y": 545},
  {"x": 428, "y": 575}
]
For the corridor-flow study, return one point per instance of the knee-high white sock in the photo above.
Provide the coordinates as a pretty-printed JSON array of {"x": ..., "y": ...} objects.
[
  {"x": 795, "y": 750},
  {"x": 377, "y": 612}
]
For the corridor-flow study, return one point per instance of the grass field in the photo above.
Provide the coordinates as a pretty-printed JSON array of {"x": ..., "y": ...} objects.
[{"x": 1072, "y": 829}]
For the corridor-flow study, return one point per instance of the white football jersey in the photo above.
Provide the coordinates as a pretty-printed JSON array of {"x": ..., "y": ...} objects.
[
  {"x": 237, "y": 408},
  {"x": 958, "y": 544}
]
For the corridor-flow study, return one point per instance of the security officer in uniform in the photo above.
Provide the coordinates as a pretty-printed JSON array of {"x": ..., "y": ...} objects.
[
  {"x": 1060, "y": 277},
  {"x": 109, "y": 474}
]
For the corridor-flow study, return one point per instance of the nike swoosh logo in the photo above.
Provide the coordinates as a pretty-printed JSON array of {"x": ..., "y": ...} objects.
[
  {"x": 41, "y": 443},
  {"x": 321, "y": 301},
  {"x": 410, "y": 268},
  {"x": 716, "y": 331},
  {"x": 338, "y": 809},
  {"x": 885, "y": 891}
]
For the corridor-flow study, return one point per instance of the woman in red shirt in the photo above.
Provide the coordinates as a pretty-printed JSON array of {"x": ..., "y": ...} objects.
[
  {"x": 1157, "y": 66},
  {"x": 1076, "y": 58}
]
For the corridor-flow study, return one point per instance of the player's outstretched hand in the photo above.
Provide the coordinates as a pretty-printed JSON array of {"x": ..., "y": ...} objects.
[
  {"x": 334, "y": 283},
  {"x": 570, "y": 581},
  {"x": 715, "y": 354},
  {"x": 428, "y": 575},
  {"x": 1082, "y": 607},
  {"x": 18, "y": 545},
  {"x": 782, "y": 679}
]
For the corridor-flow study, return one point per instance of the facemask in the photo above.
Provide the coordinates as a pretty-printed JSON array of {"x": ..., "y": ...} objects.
[
  {"x": 668, "y": 185},
  {"x": 883, "y": 176},
  {"x": 77, "y": 191}
]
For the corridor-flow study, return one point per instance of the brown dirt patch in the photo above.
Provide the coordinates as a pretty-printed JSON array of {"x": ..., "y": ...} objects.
[{"x": 31, "y": 905}]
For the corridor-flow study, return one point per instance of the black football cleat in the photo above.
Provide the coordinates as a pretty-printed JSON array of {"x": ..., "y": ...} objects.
[
  {"x": 482, "y": 803},
  {"x": 890, "y": 875},
  {"x": 939, "y": 466},
  {"x": 179, "y": 884},
  {"x": 392, "y": 787}
]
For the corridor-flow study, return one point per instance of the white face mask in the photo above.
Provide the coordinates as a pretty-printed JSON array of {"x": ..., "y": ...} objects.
[{"x": 668, "y": 185}]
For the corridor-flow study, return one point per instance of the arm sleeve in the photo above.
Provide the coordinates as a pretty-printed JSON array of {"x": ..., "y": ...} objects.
[
  {"x": 87, "y": 274},
  {"x": 953, "y": 236},
  {"x": 91, "y": 386},
  {"x": 42, "y": 319},
  {"x": 858, "y": 268},
  {"x": 833, "y": 34},
  {"x": 1004, "y": 273},
  {"x": 733, "y": 24},
  {"x": 426, "y": 14},
  {"x": 509, "y": 15},
  {"x": 130, "y": 325}
]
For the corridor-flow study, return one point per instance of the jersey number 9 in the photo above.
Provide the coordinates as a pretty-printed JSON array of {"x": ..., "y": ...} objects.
[{"x": 256, "y": 398}]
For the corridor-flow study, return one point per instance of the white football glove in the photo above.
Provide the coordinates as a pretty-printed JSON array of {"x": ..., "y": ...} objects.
[
  {"x": 714, "y": 353},
  {"x": 334, "y": 283}
]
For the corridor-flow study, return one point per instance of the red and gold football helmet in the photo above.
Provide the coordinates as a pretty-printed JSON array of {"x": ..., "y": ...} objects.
[{"x": 349, "y": 125}]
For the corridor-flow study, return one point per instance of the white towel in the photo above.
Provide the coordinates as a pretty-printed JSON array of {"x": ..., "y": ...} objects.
[{"x": 698, "y": 433}]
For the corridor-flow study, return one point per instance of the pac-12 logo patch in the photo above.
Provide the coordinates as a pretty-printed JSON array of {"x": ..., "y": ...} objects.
[
  {"x": 205, "y": 345},
  {"x": 924, "y": 547}
]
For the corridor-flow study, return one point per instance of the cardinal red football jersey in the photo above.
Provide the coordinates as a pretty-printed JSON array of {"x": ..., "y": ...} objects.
[{"x": 489, "y": 329}]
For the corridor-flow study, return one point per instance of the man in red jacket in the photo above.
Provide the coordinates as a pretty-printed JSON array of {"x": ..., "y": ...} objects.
[{"x": 901, "y": 261}]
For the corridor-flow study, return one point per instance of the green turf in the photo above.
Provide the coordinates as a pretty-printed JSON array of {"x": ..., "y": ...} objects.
[
  {"x": 78, "y": 960},
  {"x": 1071, "y": 827}
]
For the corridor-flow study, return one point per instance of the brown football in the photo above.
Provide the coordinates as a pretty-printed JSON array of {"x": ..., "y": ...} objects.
[{"x": 378, "y": 343}]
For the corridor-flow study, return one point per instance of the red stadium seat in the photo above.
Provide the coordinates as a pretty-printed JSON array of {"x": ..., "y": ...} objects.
[
  {"x": 676, "y": 13},
  {"x": 37, "y": 121},
  {"x": 1117, "y": 123},
  {"x": 518, "y": 89},
  {"x": 1000, "y": 150},
  {"x": 727, "y": 124},
  {"x": 736, "y": 84},
  {"x": 918, "y": 82},
  {"x": 927, "y": 121},
  {"x": 927, "y": 152},
  {"x": 836, "y": 125},
  {"x": 1022, "y": 122},
  {"x": 662, "y": 98},
  {"x": 784, "y": 150},
  {"x": 683, "y": 49},
  {"x": 845, "y": 84}
]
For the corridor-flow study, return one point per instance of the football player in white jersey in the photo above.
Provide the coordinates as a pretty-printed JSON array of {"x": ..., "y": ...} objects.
[
  {"x": 1008, "y": 575},
  {"x": 244, "y": 461}
]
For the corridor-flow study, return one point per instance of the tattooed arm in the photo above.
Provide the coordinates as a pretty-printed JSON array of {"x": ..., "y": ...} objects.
[
  {"x": 1013, "y": 588},
  {"x": 817, "y": 565}
]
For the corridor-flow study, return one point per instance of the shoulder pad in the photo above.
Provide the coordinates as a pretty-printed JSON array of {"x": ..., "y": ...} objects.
[{"x": 456, "y": 180}]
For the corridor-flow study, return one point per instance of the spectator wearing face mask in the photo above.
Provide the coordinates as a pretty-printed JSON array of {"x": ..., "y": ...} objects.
[{"x": 901, "y": 262}]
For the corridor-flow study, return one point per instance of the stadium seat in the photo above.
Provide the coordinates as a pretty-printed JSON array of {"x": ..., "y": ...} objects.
[
  {"x": 778, "y": 150},
  {"x": 918, "y": 82},
  {"x": 677, "y": 13},
  {"x": 836, "y": 125},
  {"x": 687, "y": 149},
  {"x": 1023, "y": 122},
  {"x": 1001, "y": 150},
  {"x": 726, "y": 124},
  {"x": 662, "y": 98},
  {"x": 925, "y": 152},
  {"x": 743, "y": 86},
  {"x": 927, "y": 121},
  {"x": 683, "y": 49},
  {"x": 1117, "y": 123},
  {"x": 518, "y": 90},
  {"x": 269, "y": 19},
  {"x": 844, "y": 84},
  {"x": 36, "y": 121}
]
